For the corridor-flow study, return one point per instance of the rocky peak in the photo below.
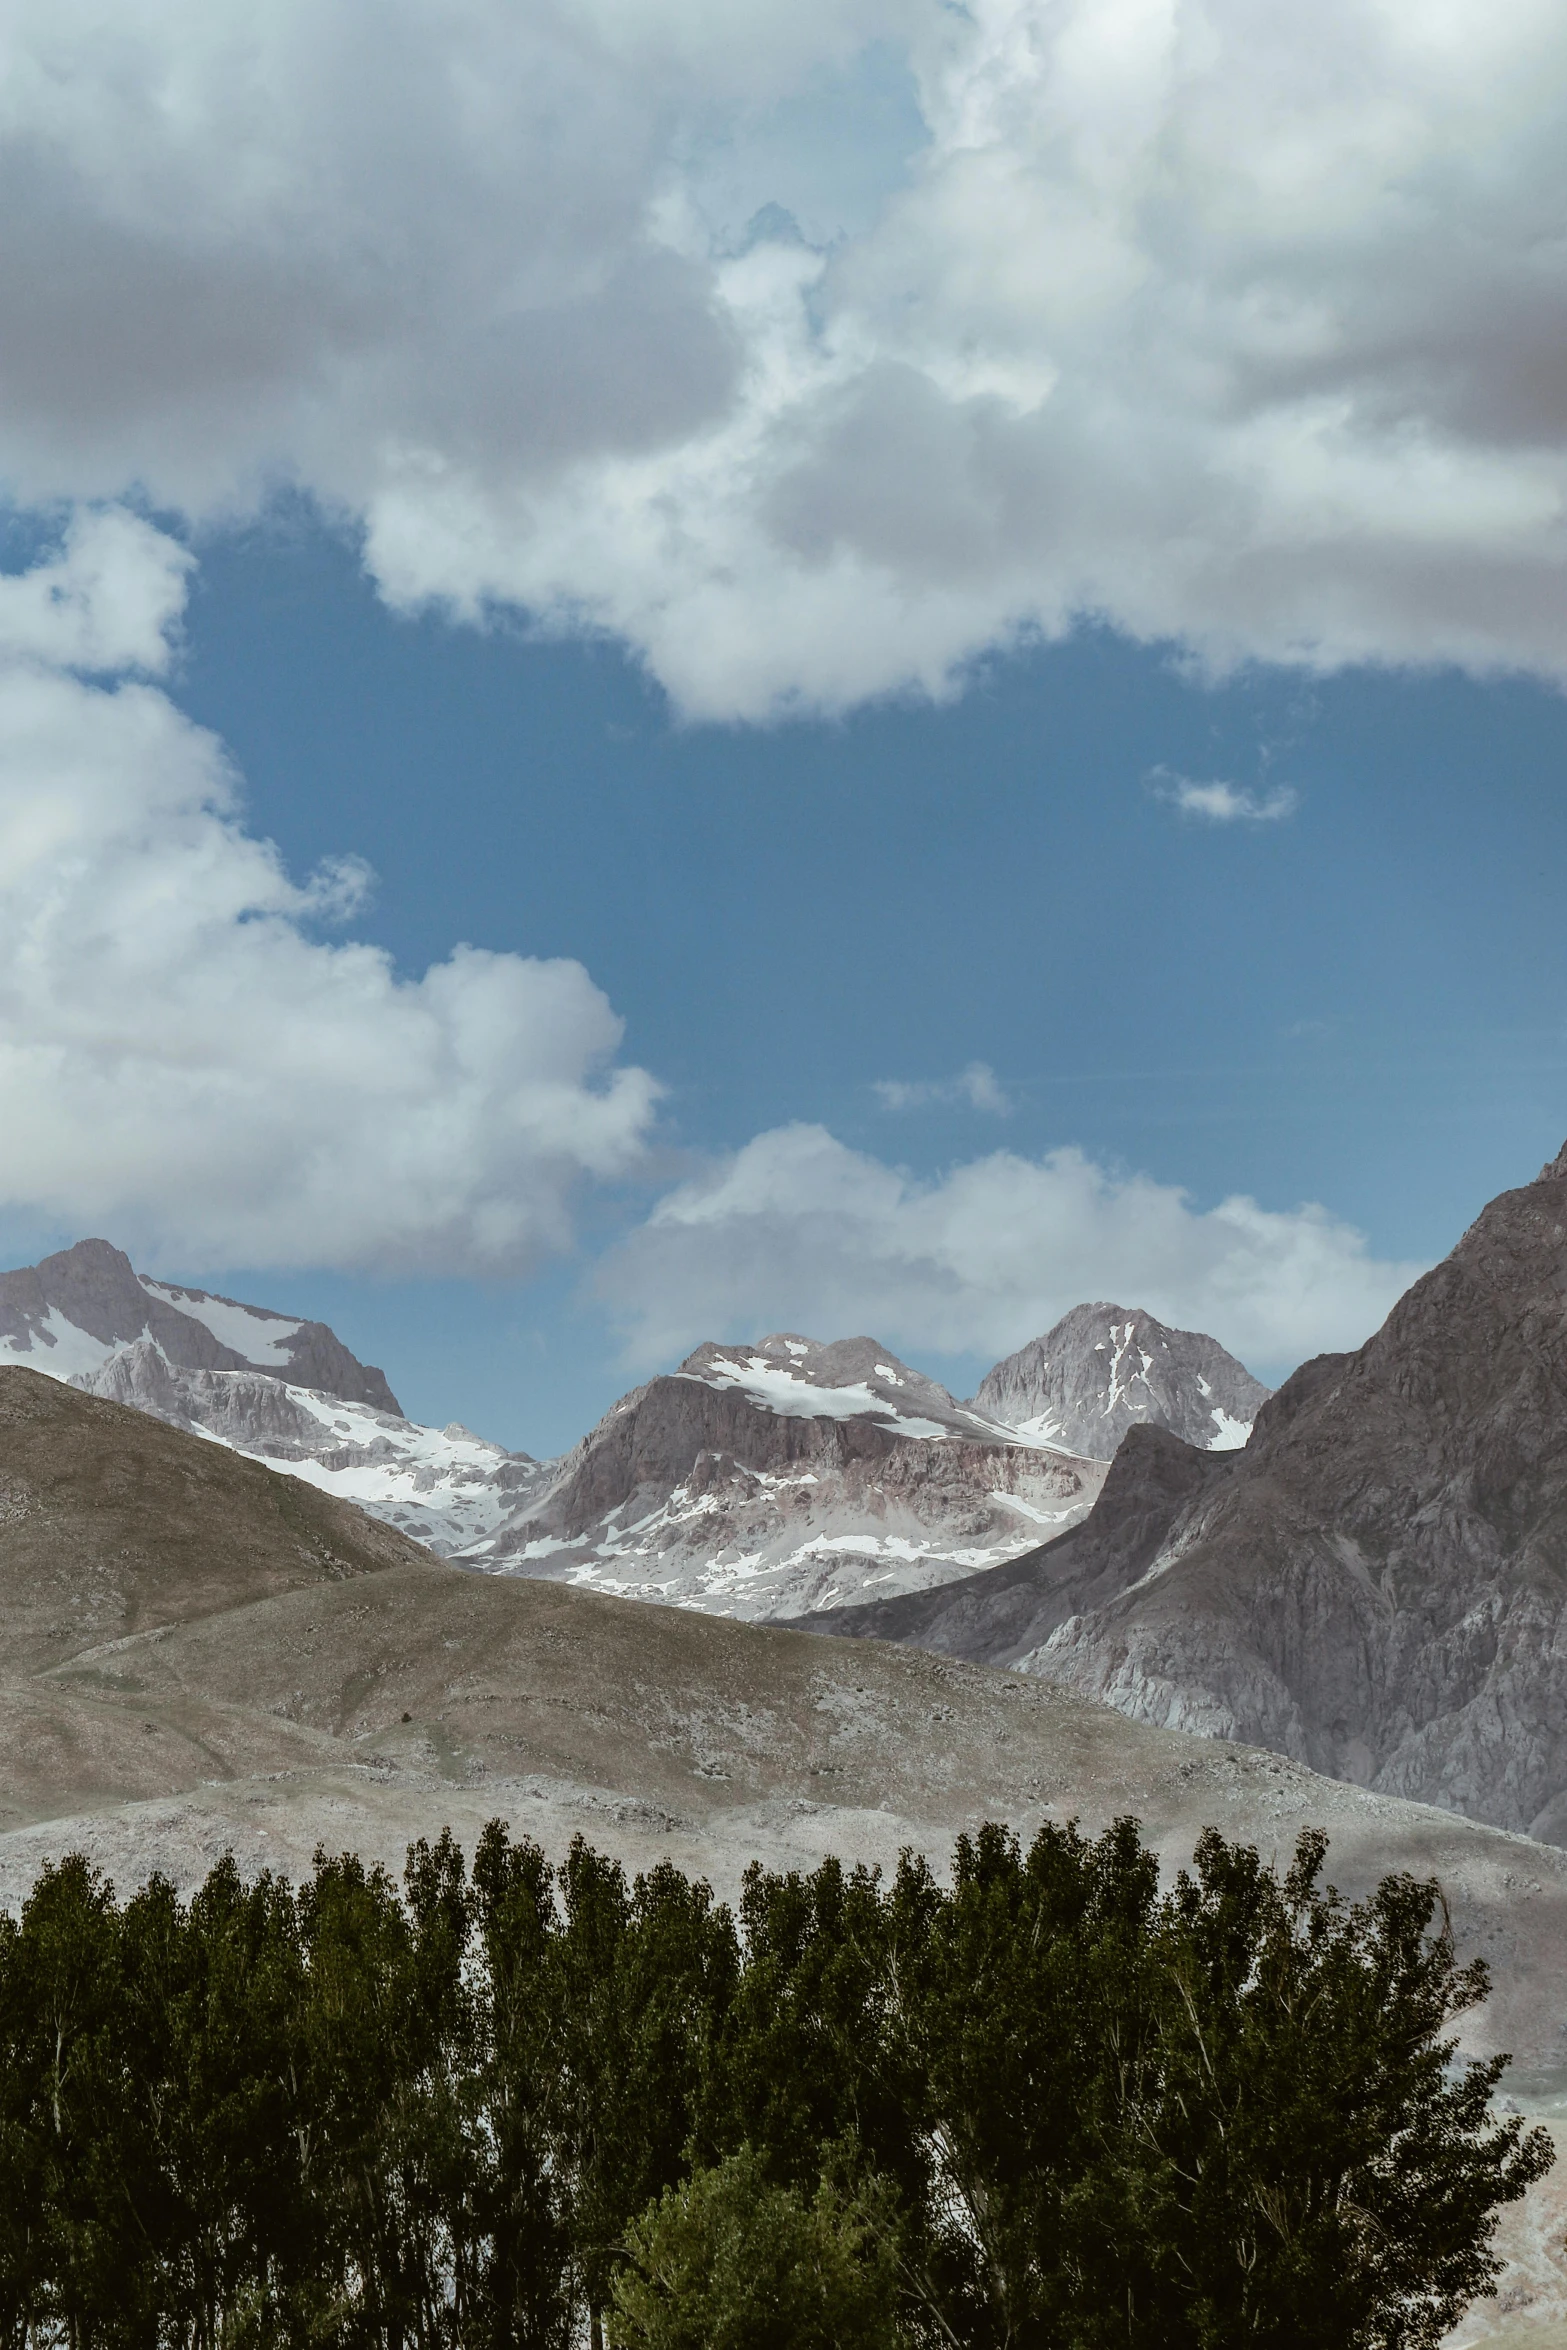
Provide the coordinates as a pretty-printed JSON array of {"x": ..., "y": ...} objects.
[
  {"x": 1106, "y": 1368},
  {"x": 71, "y": 1312},
  {"x": 787, "y": 1474}
]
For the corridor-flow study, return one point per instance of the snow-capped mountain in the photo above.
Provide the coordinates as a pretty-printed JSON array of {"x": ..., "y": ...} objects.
[
  {"x": 444, "y": 1486},
  {"x": 1104, "y": 1369},
  {"x": 786, "y": 1477},
  {"x": 69, "y": 1314},
  {"x": 284, "y": 1390}
]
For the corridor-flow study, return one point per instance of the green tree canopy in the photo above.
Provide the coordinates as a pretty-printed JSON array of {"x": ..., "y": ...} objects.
[
  {"x": 729, "y": 2261},
  {"x": 1047, "y": 2104}
]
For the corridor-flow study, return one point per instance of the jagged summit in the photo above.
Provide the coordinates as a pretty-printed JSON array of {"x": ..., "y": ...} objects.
[
  {"x": 284, "y": 1390},
  {"x": 1106, "y": 1368}
]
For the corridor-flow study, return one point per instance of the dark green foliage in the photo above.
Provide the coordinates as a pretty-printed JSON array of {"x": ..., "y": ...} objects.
[
  {"x": 1043, "y": 2108},
  {"x": 731, "y": 2262}
]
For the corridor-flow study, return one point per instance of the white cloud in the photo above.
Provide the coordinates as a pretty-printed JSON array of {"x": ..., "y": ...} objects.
[
  {"x": 108, "y": 600},
  {"x": 1223, "y": 803},
  {"x": 184, "y": 1063},
  {"x": 797, "y": 1230},
  {"x": 1228, "y": 323},
  {"x": 977, "y": 1087}
]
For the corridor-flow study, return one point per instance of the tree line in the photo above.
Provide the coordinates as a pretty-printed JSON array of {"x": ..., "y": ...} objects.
[{"x": 1041, "y": 2106}]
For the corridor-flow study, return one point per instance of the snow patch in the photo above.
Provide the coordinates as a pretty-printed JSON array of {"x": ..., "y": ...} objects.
[
  {"x": 775, "y": 1388},
  {"x": 260, "y": 1337},
  {"x": 59, "y": 1349}
]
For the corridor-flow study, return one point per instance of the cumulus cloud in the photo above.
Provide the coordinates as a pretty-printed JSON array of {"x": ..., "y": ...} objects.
[
  {"x": 976, "y": 1088},
  {"x": 1233, "y": 325},
  {"x": 185, "y": 1061},
  {"x": 1223, "y": 803},
  {"x": 799, "y": 1230}
]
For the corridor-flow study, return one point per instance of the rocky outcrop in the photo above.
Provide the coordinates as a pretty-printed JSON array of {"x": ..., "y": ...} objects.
[{"x": 1104, "y": 1369}]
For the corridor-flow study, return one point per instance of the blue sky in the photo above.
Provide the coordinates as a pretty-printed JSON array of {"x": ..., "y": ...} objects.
[{"x": 946, "y": 737}]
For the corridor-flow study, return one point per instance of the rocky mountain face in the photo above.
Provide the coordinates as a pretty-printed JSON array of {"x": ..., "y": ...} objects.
[
  {"x": 284, "y": 1390},
  {"x": 787, "y": 1477},
  {"x": 1377, "y": 1585},
  {"x": 1104, "y": 1369},
  {"x": 71, "y": 1313}
]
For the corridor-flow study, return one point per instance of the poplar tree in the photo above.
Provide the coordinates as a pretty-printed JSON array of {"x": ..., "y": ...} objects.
[{"x": 1042, "y": 2106}]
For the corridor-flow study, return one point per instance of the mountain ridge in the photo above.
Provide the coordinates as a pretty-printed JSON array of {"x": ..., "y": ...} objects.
[{"x": 89, "y": 1300}]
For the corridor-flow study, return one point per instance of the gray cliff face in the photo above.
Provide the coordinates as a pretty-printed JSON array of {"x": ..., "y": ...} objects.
[
  {"x": 1105, "y": 1368},
  {"x": 787, "y": 1477},
  {"x": 1377, "y": 1585},
  {"x": 68, "y": 1313}
]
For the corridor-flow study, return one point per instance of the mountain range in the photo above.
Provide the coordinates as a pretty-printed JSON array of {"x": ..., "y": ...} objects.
[
  {"x": 755, "y": 1480},
  {"x": 1375, "y": 1584}
]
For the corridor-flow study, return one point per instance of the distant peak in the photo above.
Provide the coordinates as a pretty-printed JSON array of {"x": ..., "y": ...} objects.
[{"x": 84, "y": 1255}]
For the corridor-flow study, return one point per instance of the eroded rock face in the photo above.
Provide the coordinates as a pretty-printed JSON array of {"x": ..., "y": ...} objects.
[
  {"x": 1378, "y": 1586},
  {"x": 1104, "y": 1369},
  {"x": 787, "y": 1477}
]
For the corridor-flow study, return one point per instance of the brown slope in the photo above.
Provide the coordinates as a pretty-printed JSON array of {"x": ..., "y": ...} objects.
[
  {"x": 422, "y": 1696},
  {"x": 111, "y": 1524}
]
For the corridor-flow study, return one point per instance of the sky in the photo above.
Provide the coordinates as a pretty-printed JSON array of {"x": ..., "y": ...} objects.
[{"x": 667, "y": 673}]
